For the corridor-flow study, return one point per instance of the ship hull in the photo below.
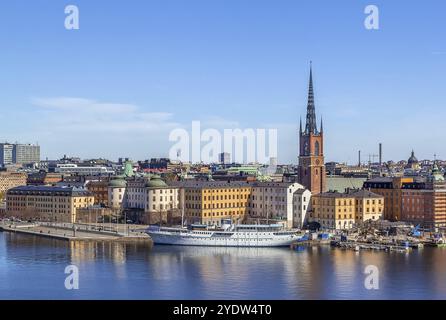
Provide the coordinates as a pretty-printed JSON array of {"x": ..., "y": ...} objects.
[{"x": 243, "y": 240}]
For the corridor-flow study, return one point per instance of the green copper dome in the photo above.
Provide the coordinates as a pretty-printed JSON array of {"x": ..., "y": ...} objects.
[
  {"x": 156, "y": 182},
  {"x": 118, "y": 182}
]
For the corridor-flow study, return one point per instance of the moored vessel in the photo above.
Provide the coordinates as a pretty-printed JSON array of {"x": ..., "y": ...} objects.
[{"x": 254, "y": 235}]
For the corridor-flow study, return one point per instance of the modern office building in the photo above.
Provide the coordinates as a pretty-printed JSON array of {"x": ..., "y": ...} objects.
[
  {"x": 19, "y": 154},
  {"x": 26, "y": 153},
  {"x": 6, "y": 154}
]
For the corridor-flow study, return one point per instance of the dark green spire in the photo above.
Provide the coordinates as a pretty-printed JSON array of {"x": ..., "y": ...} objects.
[{"x": 311, "y": 126}]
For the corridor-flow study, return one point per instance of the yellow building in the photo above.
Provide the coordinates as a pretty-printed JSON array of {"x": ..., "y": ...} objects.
[
  {"x": 46, "y": 203},
  {"x": 10, "y": 180},
  {"x": 369, "y": 206},
  {"x": 208, "y": 202},
  {"x": 335, "y": 210}
]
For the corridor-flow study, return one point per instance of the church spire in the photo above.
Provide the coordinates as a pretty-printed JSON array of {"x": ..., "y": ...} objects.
[
  {"x": 310, "y": 126},
  {"x": 322, "y": 126},
  {"x": 300, "y": 125}
]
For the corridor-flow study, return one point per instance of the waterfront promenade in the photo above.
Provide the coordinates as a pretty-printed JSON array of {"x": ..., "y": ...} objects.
[{"x": 78, "y": 232}]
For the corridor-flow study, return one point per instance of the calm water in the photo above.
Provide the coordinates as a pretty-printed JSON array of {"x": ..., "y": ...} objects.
[{"x": 33, "y": 268}]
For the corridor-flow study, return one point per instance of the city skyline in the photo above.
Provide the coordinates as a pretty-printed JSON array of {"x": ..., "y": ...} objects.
[{"x": 79, "y": 93}]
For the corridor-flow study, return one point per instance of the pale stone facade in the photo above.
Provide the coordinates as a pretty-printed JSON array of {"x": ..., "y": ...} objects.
[{"x": 283, "y": 201}]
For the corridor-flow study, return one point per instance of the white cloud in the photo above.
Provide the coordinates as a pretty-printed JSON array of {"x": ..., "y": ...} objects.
[
  {"x": 86, "y": 115},
  {"x": 82, "y": 105}
]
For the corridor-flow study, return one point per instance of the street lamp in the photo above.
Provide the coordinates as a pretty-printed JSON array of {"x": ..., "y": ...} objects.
[{"x": 125, "y": 222}]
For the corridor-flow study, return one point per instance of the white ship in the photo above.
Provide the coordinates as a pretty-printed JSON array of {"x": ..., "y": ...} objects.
[{"x": 255, "y": 235}]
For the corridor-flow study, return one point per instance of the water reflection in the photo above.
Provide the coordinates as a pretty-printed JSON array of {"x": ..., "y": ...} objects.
[{"x": 33, "y": 268}]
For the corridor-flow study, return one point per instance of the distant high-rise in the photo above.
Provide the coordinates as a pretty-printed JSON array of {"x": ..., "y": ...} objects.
[
  {"x": 26, "y": 153},
  {"x": 224, "y": 158},
  {"x": 19, "y": 154},
  {"x": 6, "y": 154},
  {"x": 311, "y": 154}
]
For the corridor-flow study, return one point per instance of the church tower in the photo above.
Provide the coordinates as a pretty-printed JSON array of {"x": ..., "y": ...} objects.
[{"x": 311, "y": 148}]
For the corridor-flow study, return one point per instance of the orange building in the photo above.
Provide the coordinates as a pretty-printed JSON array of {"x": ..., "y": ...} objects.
[
  {"x": 391, "y": 190},
  {"x": 425, "y": 202},
  {"x": 421, "y": 201}
]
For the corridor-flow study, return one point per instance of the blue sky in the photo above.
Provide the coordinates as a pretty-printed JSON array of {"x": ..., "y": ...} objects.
[{"x": 138, "y": 69}]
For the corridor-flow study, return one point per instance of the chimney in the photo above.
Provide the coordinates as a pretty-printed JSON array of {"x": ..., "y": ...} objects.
[
  {"x": 380, "y": 154},
  {"x": 359, "y": 158}
]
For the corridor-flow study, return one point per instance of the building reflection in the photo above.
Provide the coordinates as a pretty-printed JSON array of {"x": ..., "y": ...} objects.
[
  {"x": 215, "y": 270},
  {"x": 140, "y": 271}
]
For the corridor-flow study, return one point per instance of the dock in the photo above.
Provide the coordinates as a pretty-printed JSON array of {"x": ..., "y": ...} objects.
[
  {"x": 73, "y": 232},
  {"x": 357, "y": 246},
  {"x": 309, "y": 243},
  {"x": 364, "y": 241}
]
